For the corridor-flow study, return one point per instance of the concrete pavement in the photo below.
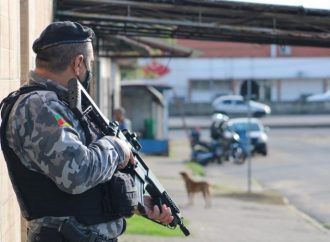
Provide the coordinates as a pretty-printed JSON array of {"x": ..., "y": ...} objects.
[{"x": 229, "y": 219}]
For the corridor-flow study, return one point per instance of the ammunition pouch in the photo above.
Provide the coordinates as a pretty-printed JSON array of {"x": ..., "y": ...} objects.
[
  {"x": 122, "y": 195},
  {"x": 72, "y": 233},
  {"x": 46, "y": 234}
]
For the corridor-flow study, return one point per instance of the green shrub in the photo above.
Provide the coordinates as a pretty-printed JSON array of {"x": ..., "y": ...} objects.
[{"x": 196, "y": 168}]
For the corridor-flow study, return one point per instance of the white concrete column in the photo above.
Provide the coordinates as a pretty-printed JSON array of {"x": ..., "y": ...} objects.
[
  {"x": 273, "y": 51},
  {"x": 104, "y": 82},
  {"x": 115, "y": 84}
]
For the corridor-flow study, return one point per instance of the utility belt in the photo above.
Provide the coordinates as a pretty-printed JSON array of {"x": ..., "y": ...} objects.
[{"x": 66, "y": 232}]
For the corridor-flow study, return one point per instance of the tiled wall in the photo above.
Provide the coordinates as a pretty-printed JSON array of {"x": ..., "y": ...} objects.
[
  {"x": 35, "y": 16},
  {"x": 9, "y": 80},
  {"x": 21, "y": 21}
]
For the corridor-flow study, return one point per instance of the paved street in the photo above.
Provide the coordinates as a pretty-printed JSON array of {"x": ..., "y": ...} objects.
[
  {"x": 229, "y": 219},
  {"x": 297, "y": 164}
]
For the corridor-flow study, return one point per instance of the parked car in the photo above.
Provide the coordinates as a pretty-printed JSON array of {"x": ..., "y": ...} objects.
[
  {"x": 321, "y": 97},
  {"x": 236, "y": 105},
  {"x": 251, "y": 128}
]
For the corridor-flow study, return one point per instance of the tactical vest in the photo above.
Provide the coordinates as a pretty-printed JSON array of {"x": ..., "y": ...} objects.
[{"x": 38, "y": 196}]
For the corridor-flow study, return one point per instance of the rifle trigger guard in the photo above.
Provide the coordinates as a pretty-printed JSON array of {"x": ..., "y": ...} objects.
[{"x": 87, "y": 111}]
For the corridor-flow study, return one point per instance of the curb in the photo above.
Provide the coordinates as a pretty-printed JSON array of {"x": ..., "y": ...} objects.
[
  {"x": 318, "y": 225},
  {"x": 304, "y": 215},
  {"x": 308, "y": 218}
]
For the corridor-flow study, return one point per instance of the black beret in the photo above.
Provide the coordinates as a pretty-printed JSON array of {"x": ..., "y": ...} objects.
[{"x": 59, "y": 33}]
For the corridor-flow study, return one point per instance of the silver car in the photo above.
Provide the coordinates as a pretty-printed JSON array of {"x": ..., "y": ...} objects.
[
  {"x": 234, "y": 105},
  {"x": 320, "y": 97}
]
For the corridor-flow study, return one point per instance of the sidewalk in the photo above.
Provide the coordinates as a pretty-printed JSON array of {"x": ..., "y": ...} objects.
[{"x": 229, "y": 219}]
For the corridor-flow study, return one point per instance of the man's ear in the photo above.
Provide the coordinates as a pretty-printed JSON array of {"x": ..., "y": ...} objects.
[{"x": 77, "y": 63}]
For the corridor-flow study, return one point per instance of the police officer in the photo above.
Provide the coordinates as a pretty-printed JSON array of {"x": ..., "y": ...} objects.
[{"x": 58, "y": 170}]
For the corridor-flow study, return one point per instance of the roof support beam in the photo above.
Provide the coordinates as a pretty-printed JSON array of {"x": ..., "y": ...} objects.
[
  {"x": 177, "y": 29},
  {"x": 201, "y": 19}
]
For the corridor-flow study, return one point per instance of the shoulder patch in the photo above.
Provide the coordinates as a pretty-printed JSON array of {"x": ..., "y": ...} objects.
[{"x": 61, "y": 121}]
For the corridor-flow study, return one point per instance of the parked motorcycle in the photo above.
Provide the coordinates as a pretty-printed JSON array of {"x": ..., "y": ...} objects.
[{"x": 226, "y": 147}]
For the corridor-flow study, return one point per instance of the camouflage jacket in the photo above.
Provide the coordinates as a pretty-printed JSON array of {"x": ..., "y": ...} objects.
[{"x": 46, "y": 136}]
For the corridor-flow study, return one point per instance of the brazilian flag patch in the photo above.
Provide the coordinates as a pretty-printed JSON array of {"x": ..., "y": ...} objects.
[{"x": 61, "y": 121}]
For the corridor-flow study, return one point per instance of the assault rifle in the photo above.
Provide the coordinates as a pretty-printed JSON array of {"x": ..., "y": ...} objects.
[{"x": 82, "y": 104}]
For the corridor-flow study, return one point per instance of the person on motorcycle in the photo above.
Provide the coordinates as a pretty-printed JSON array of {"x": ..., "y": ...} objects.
[
  {"x": 218, "y": 130},
  {"x": 218, "y": 126}
]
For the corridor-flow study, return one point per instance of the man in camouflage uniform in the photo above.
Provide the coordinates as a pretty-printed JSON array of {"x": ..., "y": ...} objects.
[{"x": 48, "y": 139}]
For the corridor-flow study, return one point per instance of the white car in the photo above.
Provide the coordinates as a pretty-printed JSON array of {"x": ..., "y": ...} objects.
[
  {"x": 236, "y": 105},
  {"x": 252, "y": 128},
  {"x": 321, "y": 97}
]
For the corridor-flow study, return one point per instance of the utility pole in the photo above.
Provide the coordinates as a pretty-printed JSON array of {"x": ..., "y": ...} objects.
[{"x": 249, "y": 173}]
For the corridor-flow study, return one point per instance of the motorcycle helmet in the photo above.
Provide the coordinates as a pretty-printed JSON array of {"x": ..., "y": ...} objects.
[{"x": 218, "y": 124}]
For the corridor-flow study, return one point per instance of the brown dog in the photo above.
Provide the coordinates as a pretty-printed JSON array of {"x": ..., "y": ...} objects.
[{"x": 193, "y": 187}]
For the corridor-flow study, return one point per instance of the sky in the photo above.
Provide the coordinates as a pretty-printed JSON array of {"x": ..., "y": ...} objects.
[{"x": 318, "y": 4}]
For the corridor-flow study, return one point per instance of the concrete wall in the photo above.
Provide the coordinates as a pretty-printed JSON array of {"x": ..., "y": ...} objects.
[
  {"x": 108, "y": 94},
  {"x": 21, "y": 21}
]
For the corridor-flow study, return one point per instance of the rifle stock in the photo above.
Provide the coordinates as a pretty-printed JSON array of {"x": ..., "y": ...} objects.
[{"x": 145, "y": 179}]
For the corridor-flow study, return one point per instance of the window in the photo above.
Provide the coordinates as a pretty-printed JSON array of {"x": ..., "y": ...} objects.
[
  {"x": 239, "y": 102},
  {"x": 284, "y": 50},
  {"x": 227, "y": 102}
]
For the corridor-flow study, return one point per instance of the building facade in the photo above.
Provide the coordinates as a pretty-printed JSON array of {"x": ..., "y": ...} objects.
[{"x": 278, "y": 73}]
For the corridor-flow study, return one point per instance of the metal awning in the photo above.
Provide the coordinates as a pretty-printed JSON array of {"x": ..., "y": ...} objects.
[
  {"x": 155, "y": 89},
  {"x": 201, "y": 20},
  {"x": 118, "y": 46}
]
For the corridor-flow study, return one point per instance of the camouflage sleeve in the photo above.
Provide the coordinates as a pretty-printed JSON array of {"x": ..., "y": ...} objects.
[{"x": 55, "y": 147}]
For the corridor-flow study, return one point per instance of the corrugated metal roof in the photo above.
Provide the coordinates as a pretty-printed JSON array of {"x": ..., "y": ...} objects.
[{"x": 201, "y": 20}]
